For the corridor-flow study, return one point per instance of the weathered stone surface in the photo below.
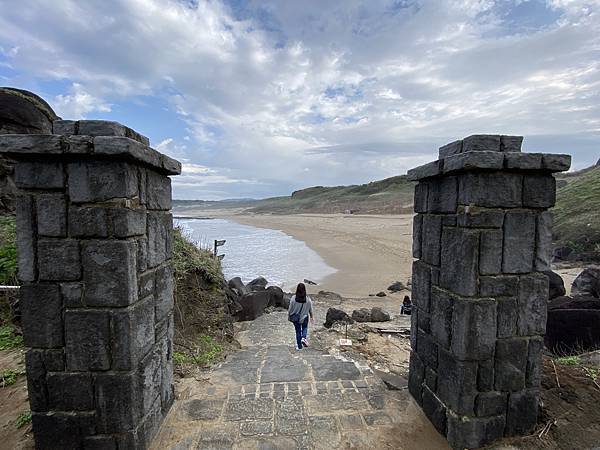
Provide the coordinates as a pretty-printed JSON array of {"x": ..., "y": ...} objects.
[
  {"x": 101, "y": 180},
  {"x": 70, "y": 391},
  {"x": 100, "y": 443},
  {"x": 474, "y": 433},
  {"x": 587, "y": 283},
  {"x": 481, "y": 143},
  {"x": 19, "y": 144},
  {"x": 109, "y": 273},
  {"x": 480, "y": 218},
  {"x": 427, "y": 349},
  {"x": 416, "y": 376},
  {"x": 60, "y": 430},
  {"x": 452, "y": 148},
  {"x": 128, "y": 222},
  {"x": 87, "y": 340},
  {"x": 474, "y": 325},
  {"x": 58, "y": 259},
  {"x": 490, "y": 252},
  {"x": 511, "y": 364},
  {"x": 507, "y": 317},
  {"x": 51, "y": 215},
  {"x": 441, "y": 316},
  {"x": 160, "y": 229},
  {"x": 432, "y": 230},
  {"x": 421, "y": 195},
  {"x": 498, "y": 286},
  {"x": 533, "y": 375},
  {"x": 434, "y": 410},
  {"x": 64, "y": 127},
  {"x": 118, "y": 400},
  {"x": 108, "y": 128},
  {"x": 442, "y": 195},
  {"x": 459, "y": 261},
  {"x": 490, "y": 404},
  {"x": 158, "y": 191},
  {"x": 36, "y": 380},
  {"x": 523, "y": 161},
  {"x": 519, "y": 242},
  {"x": 41, "y": 309},
  {"x": 522, "y": 413},
  {"x": 134, "y": 327},
  {"x": 485, "y": 375},
  {"x": 80, "y": 145},
  {"x": 474, "y": 160},
  {"x": 511, "y": 143},
  {"x": 26, "y": 241},
  {"x": 164, "y": 291},
  {"x": 428, "y": 170},
  {"x": 532, "y": 301},
  {"x": 86, "y": 221},
  {"x": 417, "y": 235},
  {"x": 490, "y": 190},
  {"x": 39, "y": 175},
  {"x": 379, "y": 315},
  {"x": 543, "y": 242},
  {"x": 457, "y": 388},
  {"x": 421, "y": 284},
  {"x": 423, "y": 321},
  {"x": 556, "y": 163},
  {"x": 539, "y": 191}
]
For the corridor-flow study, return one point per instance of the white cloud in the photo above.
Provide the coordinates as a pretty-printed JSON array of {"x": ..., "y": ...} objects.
[{"x": 262, "y": 85}]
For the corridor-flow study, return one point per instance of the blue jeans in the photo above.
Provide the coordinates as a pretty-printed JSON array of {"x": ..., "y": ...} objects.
[{"x": 301, "y": 331}]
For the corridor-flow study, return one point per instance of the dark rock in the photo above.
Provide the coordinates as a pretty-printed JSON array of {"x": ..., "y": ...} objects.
[
  {"x": 276, "y": 297},
  {"x": 361, "y": 315},
  {"x": 581, "y": 302},
  {"x": 336, "y": 315},
  {"x": 258, "y": 284},
  {"x": 381, "y": 294},
  {"x": 310, "y": 282},
  {"x": 237, "y": 284},
  {"x": 379, "y": 315},
  {"x": 573, "y": 330},
  {"x": 562, "y": 253},
  {"x": 556, "y": 284},
  {"x": 587, "y": 283},
  {"x": 396, "y": 287},
  {"x": 392, "y": 381},
  {"x": 253, "y": 305}
]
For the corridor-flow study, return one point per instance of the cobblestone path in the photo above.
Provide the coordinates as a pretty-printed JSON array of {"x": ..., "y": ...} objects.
[{"x": 270, "y": 396}]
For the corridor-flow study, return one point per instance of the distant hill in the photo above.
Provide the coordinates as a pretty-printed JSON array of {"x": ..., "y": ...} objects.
[
  {"x": 577, "y": 211},
  {"x": 390, "y": 196}
]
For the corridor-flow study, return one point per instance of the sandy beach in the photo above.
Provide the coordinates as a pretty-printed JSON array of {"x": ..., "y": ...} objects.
[{"x": 369, "y": 252}]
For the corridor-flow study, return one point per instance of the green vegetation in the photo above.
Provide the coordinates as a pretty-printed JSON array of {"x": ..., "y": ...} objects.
[
  {"x": 188, "y": 259},
  {"x": 569, "y": 360},
  {"x": 577, "y": 212},
  {"x": 8, "y": 338},
  {"x": 8, "y": 250},
  {"x": 204, "y": 352},
  {"x": 24, "y": 419},
  {"x": 390, "y": 196},
  {"x": 8, "y": 377}
]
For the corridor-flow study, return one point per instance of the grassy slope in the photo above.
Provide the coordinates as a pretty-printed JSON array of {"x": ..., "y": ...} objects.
[
  {"x": 389, "y": 196},
  {"x": 577, "y": 212}
]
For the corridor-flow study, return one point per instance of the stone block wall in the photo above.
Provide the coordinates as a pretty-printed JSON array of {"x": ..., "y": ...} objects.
[
  {"x": 94, "y": 237},
  {"x": 481, "y": 236}
]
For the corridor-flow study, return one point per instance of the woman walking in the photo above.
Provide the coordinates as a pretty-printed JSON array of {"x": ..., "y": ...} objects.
[{"x": 298, "y": 313}]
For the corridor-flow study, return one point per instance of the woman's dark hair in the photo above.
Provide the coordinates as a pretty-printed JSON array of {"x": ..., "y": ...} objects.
[
  {"x": 406, "y": 300},
  {"x": 301, "y": 293}
]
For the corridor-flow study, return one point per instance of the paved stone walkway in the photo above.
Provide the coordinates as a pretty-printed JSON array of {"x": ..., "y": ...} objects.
[{"x": 270, "y": 396}]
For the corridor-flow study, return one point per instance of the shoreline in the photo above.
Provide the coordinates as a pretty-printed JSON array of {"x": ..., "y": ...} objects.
[{"x": 369, "y": 252}]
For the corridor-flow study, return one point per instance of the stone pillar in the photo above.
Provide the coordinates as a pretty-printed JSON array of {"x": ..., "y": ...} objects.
[
  {"x": 94, "y": 245},
  {"x": 481, "y": 236}
]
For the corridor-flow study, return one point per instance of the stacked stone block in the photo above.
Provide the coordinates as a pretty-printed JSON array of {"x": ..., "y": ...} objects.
[
  {"x": 94, "y": 237},
  {"x": 481, "y": 236}
]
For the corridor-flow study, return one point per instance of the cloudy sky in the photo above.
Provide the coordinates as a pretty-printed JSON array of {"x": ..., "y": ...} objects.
[{"x": 261, "y": 97}]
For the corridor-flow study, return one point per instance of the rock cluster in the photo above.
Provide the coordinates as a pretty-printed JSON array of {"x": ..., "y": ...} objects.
[
  {"x": 574, "y": 321},
  {"x": 375, "y": 314},
  {"x": 250, "y": 301}
]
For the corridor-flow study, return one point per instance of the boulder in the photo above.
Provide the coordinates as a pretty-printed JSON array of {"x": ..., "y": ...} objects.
[
  {"x": 361, "y": 315},
  {"x": 562, "y": 253},
  {"x": 587, "y": 283},
  {"x": 573, "y": 330},
  {"x": 258, "y": 284},
  {"x": 381, "y": 294},
  {"x": 556, "y": 284},
  {"x": 580, "y": 302},
  {"x": 237, "y": 284},
  {"x": 379, "y": 315},
  {"x": 336, "y": 315},
  {"x": 396, "y": 287},
  {"x": 276, "y": 298},
  {"x": 253, "y": 305}
]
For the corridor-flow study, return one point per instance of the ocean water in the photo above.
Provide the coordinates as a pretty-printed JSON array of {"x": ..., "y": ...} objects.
[{"x": 251, "y": 252}]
